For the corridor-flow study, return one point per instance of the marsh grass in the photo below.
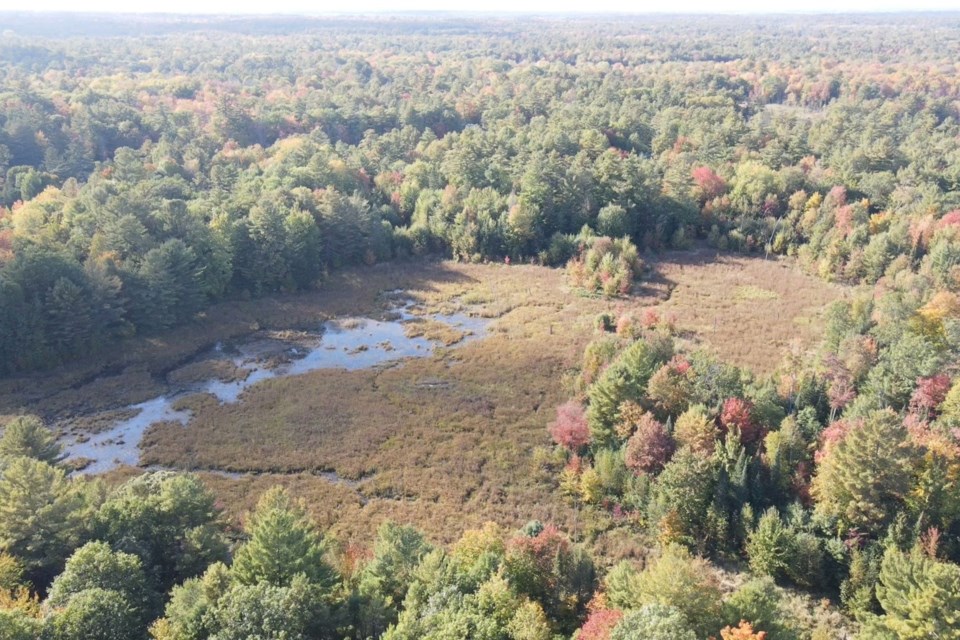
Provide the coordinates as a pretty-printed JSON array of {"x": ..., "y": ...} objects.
[
  {"x": 747, "y": 310},
  {"x": 444, "y": 442}
]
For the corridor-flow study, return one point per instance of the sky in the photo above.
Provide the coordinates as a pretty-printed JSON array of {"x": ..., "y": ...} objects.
[{"x": 497, "y": 6}]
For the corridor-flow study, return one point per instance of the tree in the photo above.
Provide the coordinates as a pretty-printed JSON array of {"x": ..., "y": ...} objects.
[
  {"x": 96, "y": 566},
  {"x": 737, "y": 413},
  {"x": 283, "y": 543},
  {"x": 97, "y": 613},
  {"x": 695, "y": 430},
  {"x": 654, "y": 622},
  {"x": 397, "y": 552},
  {"x": 671, "y": 387},
  {"x": 625, "y": 379},
  {"x": 681, "y": 497},
  {"x": 649, "y": 448},
  {"x": 16, "y": 624},
  {"x": 770, "y": 545},
  {"x": 546, "y": 568},
  {"x": 675, "y": 579},
  {"x": 743, "y": 631},
  {"x": 759, "y": 601},
  {"x": 27, "y": 436},
  {"x": 570, "y": 428},
  {"x": 920, "y": 596},
  {"x": 167, "y": 287},
  {"x": 170, "y": 521},
  {"x": 273, "y": 612},
  {"x": 864, "y": 479},
  {"x": 41, "y": 516},
  {"x": 189, "y": 613}
]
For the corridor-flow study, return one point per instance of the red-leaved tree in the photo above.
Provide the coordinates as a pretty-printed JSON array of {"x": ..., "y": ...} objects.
[
  {"x": 738, "y": 413},
  {"x": 570, "y": 428},
  {"x": 929, "y": 394},
  {"x": 649, "y": 448},
  {"x": 708, "y": 184},
  {"x": 600, "y": 624}
]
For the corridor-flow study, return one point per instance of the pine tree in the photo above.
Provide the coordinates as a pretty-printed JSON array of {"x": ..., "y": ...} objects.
[
  {"x": 283, "y": 543},
  {"x": 27, "y": 436},
  {"x": 626, "y": 379},
  {"x": 770, "y": 545},
  {"x": 920, "y": 596},
  {"x": 41, "y": 516},
  {"x": 864, "y": 479}
]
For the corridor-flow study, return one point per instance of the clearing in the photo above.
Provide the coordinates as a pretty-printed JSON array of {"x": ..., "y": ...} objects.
[{"x": 443, "y": 440}]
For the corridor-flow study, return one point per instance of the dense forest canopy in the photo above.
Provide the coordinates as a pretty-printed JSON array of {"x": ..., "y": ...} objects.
[
  {"x": 144, "y": 177},
  {"x": 152, "y": 166}
]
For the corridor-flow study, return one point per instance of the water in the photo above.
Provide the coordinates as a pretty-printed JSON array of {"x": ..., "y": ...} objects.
[{"x": 349, "y": 343}]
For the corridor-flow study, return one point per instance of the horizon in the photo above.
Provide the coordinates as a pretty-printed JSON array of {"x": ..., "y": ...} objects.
[{"x": 287, "y": 8}]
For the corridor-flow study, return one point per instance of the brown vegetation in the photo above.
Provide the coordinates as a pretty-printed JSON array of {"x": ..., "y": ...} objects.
[
  {"x": 747, "y": 310},
  {"x": 444, "y": 442}
]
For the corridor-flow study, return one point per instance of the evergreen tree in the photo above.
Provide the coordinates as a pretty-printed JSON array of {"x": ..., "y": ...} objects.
[
  {"x": 283, "y": 543},
  {"x": 169, "y": 521},
  {"x": 42, "y": 516},
  {"x": 864, "y": 479},
  {"x": 27, "y": 436},
  {"x": 770, "y": 545},
  {"x": 919, "y": 595}
]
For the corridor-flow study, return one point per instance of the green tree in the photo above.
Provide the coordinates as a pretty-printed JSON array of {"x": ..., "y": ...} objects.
[
  {"x": 920, "y": 596},
  {"x": 42, "y": 516},
  {"x": 283, "y": 543},
  {"x": 654, "y": 622},
  {"x": 770, "y": 545},
  {"x": 625, "y": 379},
  {"x": 272, "y": 612},
  {"x": 170, "y": 521},
  {"x": 864, "y": 479},
  {"x": 19, "y": 625},
  {"x": 27, "y": 436},
  {"x": 95, "y": 565},
  {"x": 97, "y": 614},
  {"x": 397, "y": 552},
  {"x": 681, "y": 497},
  {"x": 675, "y": 579}
]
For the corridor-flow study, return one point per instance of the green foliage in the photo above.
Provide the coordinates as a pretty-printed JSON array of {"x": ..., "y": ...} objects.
[
  {"x": 271, "y": 611},
  {"x": 608, "y": 266},
  {"x": 283, "y": 543},
  {"x": 27, "y": 436},
  {"x": 770, "y": 546},
  {"x": 397, "y": 553},
  {"x": 760, "y": 602},
  {"x": 920, "y": 596},
  {"x": 95, "y": 566},
  {"x": 169, "y": 521},
  {"x": 675, "y": 579},
  {"x": 865, "y": 478},
  {"x": 678, "y": 507},
  {"x": 97, "y": 613},
  {"x": 625, "y": 379},
  {"x": 43, "y": 516},
  {"x": 19, "y": 625},
  {"x": 653, "y": 622}
]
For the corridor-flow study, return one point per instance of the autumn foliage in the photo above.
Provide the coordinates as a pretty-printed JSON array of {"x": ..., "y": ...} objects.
[{"x": 570, "y": 428}]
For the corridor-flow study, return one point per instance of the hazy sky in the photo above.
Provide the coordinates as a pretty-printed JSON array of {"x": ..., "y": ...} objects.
[{"x": 538, "y": 6}]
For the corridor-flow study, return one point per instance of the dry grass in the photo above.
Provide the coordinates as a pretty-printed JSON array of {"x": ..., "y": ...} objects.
[
  {"x": 746, "y": 310},
  {"x": 433, "y": 330}
]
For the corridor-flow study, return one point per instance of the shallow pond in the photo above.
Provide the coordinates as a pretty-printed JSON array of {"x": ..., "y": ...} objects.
[{"x": 344, "y": 343}]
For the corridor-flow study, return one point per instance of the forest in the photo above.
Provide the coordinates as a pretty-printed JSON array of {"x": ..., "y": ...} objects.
[{"x": 711, "y": 388}]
